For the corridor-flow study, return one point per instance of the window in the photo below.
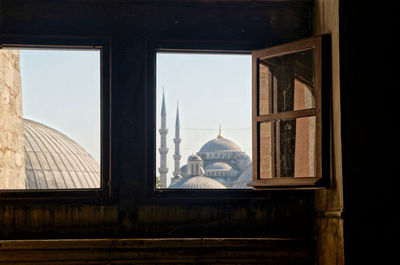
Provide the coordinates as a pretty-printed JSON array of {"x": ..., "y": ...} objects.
[
  {"x": 291, "y": 114},
  {"x": 211, "y": 120},
  {"x": 53, "y": 111},
  {"x": 290, "y": 121}
]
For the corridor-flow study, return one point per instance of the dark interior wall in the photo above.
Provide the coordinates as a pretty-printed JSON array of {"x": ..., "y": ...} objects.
[
  {"x": 130, "y": 25},
  {"x": 270, "y": 21},
  {"x": 369, "y": 79}
]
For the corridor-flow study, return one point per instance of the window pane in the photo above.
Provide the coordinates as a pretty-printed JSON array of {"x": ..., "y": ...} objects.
[
  {"x": 205, "y": 140},
  {"x": 49, "y": 119},
  {"x": 303, "y": 96},
  {"x": 265, "y": 156},
  {"x": 265, "y": 86},
  {"x": 297, "y": 147},
  {"x": 293, "y": 81}
]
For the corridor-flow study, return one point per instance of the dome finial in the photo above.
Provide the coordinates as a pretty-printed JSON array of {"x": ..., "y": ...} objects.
[{"x": 219, "y": 134}]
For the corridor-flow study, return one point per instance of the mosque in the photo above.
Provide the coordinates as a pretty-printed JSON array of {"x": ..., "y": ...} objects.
[
  {"x": 219, "y": 164},
  {"x": 55, "y": 161}
]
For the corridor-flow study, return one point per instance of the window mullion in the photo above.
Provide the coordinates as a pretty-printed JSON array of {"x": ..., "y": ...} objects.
[
  {"x": 277, "y": 150},
  {"x": 287, "y": 115},
  {"x": 275, "y": 126}
]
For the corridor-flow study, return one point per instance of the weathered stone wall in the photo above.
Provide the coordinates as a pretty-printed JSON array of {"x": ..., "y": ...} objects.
[{"x": 12, "y": 165}]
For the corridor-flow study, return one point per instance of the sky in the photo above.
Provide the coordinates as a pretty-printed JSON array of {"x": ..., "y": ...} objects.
[
  {"x": 212, "y": 90},
  {"x": 61, "y": 89}
]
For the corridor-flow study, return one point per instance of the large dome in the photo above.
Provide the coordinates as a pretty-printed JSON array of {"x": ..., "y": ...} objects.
[
  {"x": 244, "y": 178},
  {"x": 219, "y": 144},
  {"x": 218, "y": 166},
  {"x": 197, "y": 182},
  {"x": 54, "y": 161}
]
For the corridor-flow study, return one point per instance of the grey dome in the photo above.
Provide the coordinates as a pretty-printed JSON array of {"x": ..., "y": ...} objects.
[
  {"x": 194, "y": 158},
  {"x": 244, "y": 179},
  {"x": 219, "y": 144},
  {"x": 220, "y": 166},
  {"x": 54, "y": 161},
  {"x": 184, "y": 170},
  {"x": 197, "y": 182}
]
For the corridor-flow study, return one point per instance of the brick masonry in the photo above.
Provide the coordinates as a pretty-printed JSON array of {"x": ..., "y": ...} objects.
[{"x": 12, "y": 164}]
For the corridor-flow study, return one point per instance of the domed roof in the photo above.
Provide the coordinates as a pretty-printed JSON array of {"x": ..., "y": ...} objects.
[
  {"x": 54, "y": 161},
  {"x": 219, "y": 144},
  {"x": 197, "y": 182},
  {"x": 220, "y": 166},
  {"x": 244, "y": 179},
  {"x": 194, "y": 158}
]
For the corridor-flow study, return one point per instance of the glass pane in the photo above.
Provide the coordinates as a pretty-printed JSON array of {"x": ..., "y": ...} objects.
[
  {"x": 205, "y": 141},
  {"x": 49, "y": 119},
  {"x": 297, "y": 147},
  {"x": 303, "y": 96},
  {"x": 293, "y": 86},
  {"x": 265, "y": 86},
  {"x": 265, "y": 157}
]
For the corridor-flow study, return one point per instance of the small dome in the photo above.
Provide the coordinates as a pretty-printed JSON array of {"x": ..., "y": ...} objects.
[
  {"x": 194, "y": 158},
  {"x": 54, "y": 161},
  {"x": 184, "y": 170},
  {"x": 219, "y": 144},
  {"x": 177, "y": 177},
  {"x": 220, "y": 166},
  {"x": 197, "y": 182}
]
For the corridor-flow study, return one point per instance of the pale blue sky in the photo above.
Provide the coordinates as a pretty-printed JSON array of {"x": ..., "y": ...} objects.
[
  {"x": 211, "y": 90},
  {"x": 61, "y": 89}
]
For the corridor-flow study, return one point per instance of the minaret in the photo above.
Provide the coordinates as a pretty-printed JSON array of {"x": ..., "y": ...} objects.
[
  {"x": 177, "y": 141},
  {"x": 163, "y": 148}
]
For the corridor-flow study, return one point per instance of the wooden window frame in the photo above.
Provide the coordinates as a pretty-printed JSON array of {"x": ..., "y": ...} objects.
[
  {"x": 107, "y": 190},
  {"x": 321, "y": 111},
  {"x": 151, "y": 193}
]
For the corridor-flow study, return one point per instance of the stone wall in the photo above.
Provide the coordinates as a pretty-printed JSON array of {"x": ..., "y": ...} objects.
[{"x": 12, "y": 165}]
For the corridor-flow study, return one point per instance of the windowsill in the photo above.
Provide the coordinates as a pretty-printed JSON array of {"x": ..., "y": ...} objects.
[
  {"x": 170, "y": 250},
  {"x": 57, "y": 196},
  {"x": 290, "y": 183}
]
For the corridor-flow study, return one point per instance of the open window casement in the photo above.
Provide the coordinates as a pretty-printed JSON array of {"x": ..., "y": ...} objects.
[{"x": 291, "y": 115}]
